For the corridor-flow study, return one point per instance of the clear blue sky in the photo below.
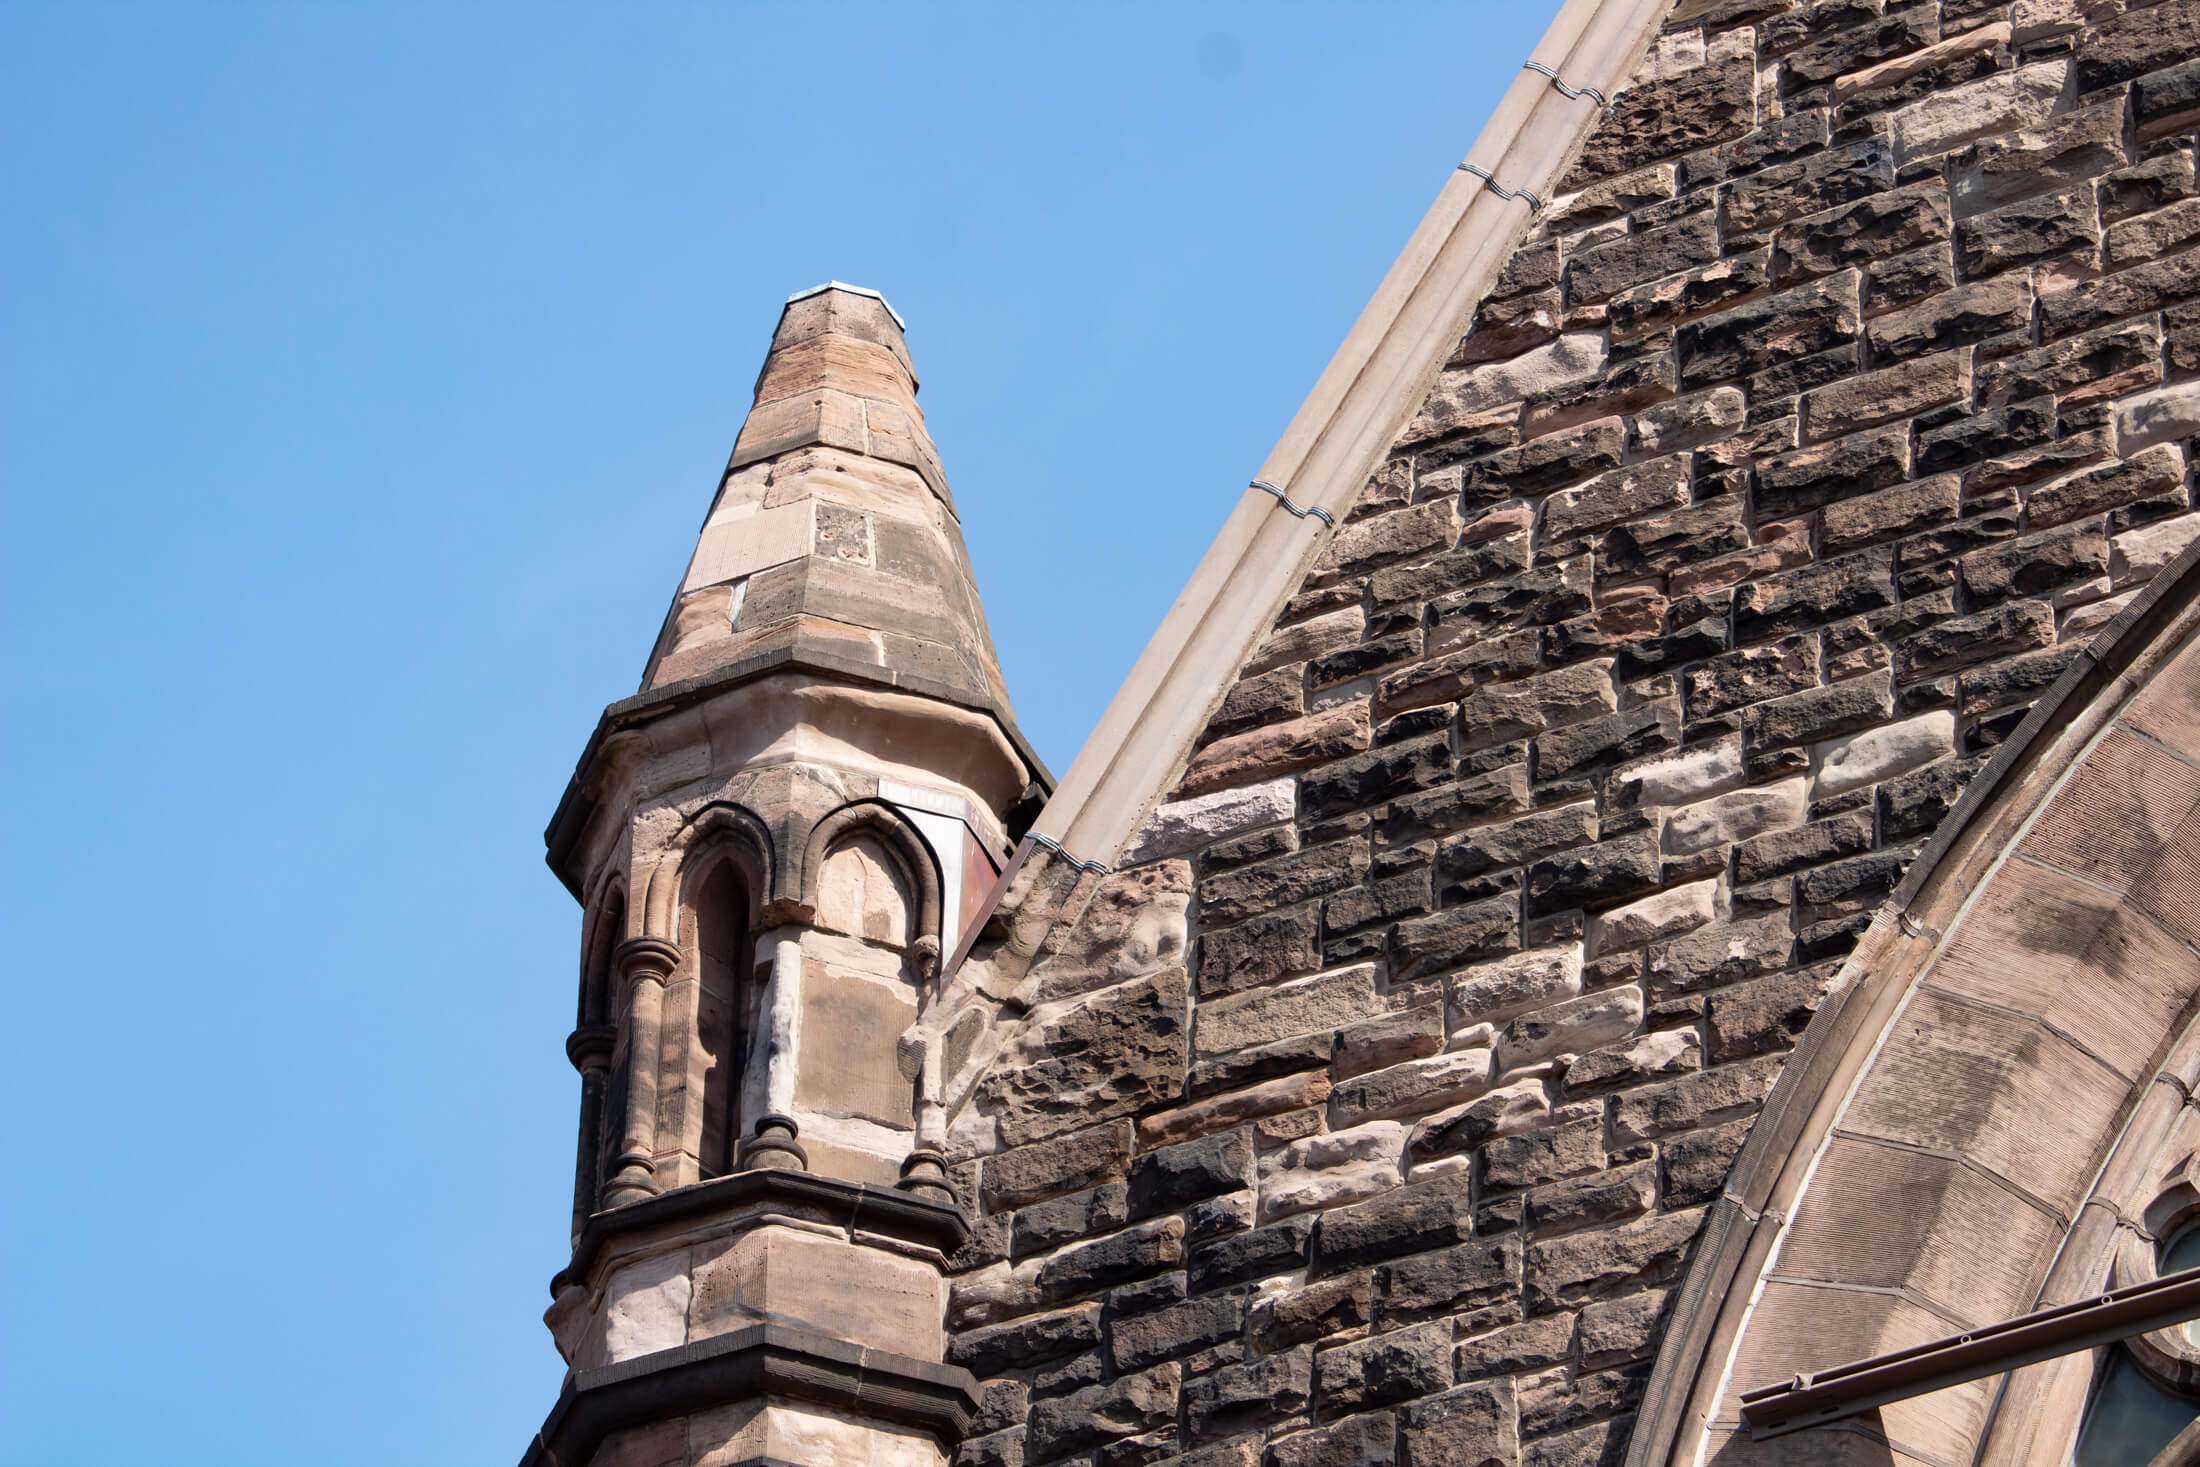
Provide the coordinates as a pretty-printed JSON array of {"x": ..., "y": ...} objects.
[{"x": 367, "y": 371}]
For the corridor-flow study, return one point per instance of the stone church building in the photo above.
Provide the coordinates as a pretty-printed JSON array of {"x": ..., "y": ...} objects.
[{"x": 1642, "y": 906}]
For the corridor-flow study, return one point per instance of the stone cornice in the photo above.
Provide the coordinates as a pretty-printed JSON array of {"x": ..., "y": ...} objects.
[
  {"x": 570, "y": 819},
  {"x": 749, "y": 1364},
  {"x": 755, "y": 1198}
]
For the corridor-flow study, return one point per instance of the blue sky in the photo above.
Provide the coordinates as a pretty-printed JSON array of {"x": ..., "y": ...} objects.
[{"x": 366, "y": 373}]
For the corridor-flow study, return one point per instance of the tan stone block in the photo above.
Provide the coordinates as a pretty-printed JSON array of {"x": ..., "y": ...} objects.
[
  {"x": 1496, "y": 991},
  {"x": 1302, "y": 1006},
  {"x": 1662, "y": 914},
  {"x": 1885, "y": 1217},
  {"x": 1573, "y": 1027},
  {"x": 1185, "y": 825},
  {"x": 1975, "y": 1081},
  {"x": 2106, "y": 825},
  {"x": 1949, "y": 119},
  {"x": 2064, "y": 951},
  {"x": 1796, "y": 1328},
  {"x": 645, "y": 1308},
  {"x": 838, "y": 1288},
  {"x": 661, "y": 1444},
  {"x": 1317, "y": 636},
  {"x": 783, "y": 1431},
  {"x": 849, "y": 1025},
  {"x": 2139, "y": 555},
  {"x": 1278, "y": 749},
  {"x": 1292, "y": 1093},
  {"x": 1726, "y": 819},
  {"x": 1876, "y": 753}
]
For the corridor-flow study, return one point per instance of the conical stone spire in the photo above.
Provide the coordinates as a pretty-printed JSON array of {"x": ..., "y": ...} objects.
[{"x": 833, "y": 543}]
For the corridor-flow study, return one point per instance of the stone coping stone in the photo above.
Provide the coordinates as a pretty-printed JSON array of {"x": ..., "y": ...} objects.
[
  {"x": 759, "y": 1198},
  {"x": 750, "y": 1364}
]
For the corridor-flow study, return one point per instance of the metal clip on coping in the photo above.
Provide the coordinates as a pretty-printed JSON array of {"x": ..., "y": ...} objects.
[
  {"x": 1098, "y": 868},
  {"x": 1302, "y": 511},
  {"x": 1568, "y": 92},
  {"x": 1499, "y": 189}
]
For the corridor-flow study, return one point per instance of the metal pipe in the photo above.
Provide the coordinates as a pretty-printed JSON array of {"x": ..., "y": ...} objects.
[{"x": 1816, "y": 1398}]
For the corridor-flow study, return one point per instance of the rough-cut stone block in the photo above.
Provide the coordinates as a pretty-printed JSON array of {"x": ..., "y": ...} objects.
[
  {"x": 1327, "y": 1001},
  {"x": 1268, "y": 947},
  {"x": 1737, "y": 816},
  {"x": 1367, "y": 1440},
  {"x": 1249, "y": 891},
  {"x": 1081, "y": 1159},
  {"x": 1240, "y": 1397},
  {"x": 1469, "y": 1427},
  {"x": 1813, "y": 595},
  {"x": 1177, "y": 1176},
  {"x": 1898, "y": 69},
  {"x": 2079, "y": 369},
  {"x": 1594, "y": 876},
  {"x": 1409, "y": 1219},
  {"x": 1634, "y": 1062},
  {"x": 1876, "y": 754},
  {"x": 1516, "y": 842},
  {"x": 1766, "y": 332},
  {"x": 2167, "y": 415},
  {"x": 1186, "y": 825},
  {"x": 1113, "y": 1260},
  {"x": 1391, "y": 1039},
  {"x": 1586, "y": 1266},
  {"x": 2147, "y": 39},
  {"x": 1677, "y": 779},
  {"x": 1820, "y": 713},
  {"x": 1385, "y": 1368},
  {"x": 1996, "y": 104},
  {"x": 1454, "y": 937},
  {"x": 2034, "y": 564},
  {"x": 1416, "y": 1086},
  {"x": 1447, "y": 1281},
  {"x": 1140, "y": 1340},
  {"x": 1515, "y": 710},
  {"x": 1712, "y": 956},
  {"x": 1027, "y": 1341},
  {"x": 1587, "y": 1202},
  {"x": 2035, "y": 160},
  {"x": 1573, "y": 1027},
  {"x": 1108, "y": 1053},
  {"x": 1507, "y": 1111},
  {"x": 2137, "y": 555},
  {"x": 1491, "y": 993},
  {"x": 1868, "y": 230},
  {"x": 1901, "y": 391},
  {"x": 1692, "y": 1102},
  {"x": 2159, "y": 470},
  {"x": 1461, "y": 395},
  {"x": 1852, "y": 524},
  {"x": 1570, "y": 1148},
  {"x": 1279, "y": 749},
  {"x": 1663, "y": 119},
  {"x": 1666, "y": 914},
  {"x": 1103, "y": 1413}
]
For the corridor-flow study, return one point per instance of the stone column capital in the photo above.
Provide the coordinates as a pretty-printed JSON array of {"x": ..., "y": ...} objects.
[
  {"x": 647, "y": 957},
  {"x": 589, "y": 1047}
]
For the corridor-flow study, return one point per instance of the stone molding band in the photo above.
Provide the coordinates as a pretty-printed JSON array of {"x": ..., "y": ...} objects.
[
  {"x": 773, "y": 1192},
  {"x": 749, "y": 1364}
]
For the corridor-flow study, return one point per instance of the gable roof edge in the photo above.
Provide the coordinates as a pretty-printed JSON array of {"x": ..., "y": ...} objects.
[{"x": 1308, "y": 484}]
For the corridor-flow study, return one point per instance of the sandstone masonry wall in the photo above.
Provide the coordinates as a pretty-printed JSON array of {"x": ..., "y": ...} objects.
[{"x": 1369, "y": 1115}]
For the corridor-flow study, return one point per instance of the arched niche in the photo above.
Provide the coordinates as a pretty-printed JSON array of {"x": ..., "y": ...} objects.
[
  {"x": 720, "y": 895},
  {"x": 1987, "y": 1097},
  {"x": 868, "y": 873}
]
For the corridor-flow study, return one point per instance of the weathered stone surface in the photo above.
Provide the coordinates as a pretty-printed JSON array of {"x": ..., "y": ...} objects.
[
  {"x": 1027, "y": 1341},
  {"x": 1585, "y": 1202},
  {"x": 1725, "y": 819},
  {"x": 1328, "y": 1001},
  {"x": 2168, "y": 415},
  {"x": 1177, "y": 1176},
  {"x": 1366, "y": 1440},
  {"x": 1067, "y": 1163},
  {"x": 1239, "y": 1397},
  {"x": 1901, "y": 391},
  {"x": 1461, "y": 395},
  {"x": 1509, "y": 1110},
  {"x": 2044, "y": 228},
  {"x": 1903, "y": 510},
  {"x": 1720, "y": 954},
  {"x": 1872, "y": 228},
  {"x": 1332, "y": 1169},
  {"x": 1103, "y": 1413},
  {"x": 1415, "y": 1086},
  {"x": 1665, "y": 914},
  {"x": 2078, "y": 369},
  {"x": 1516, "y": 842},
  {"x": 1494, "y": 992},
  {"x": 1447, "y": 1281},
  {"x": 1268, "y": 947},
  {"x": 1115, "y": 1259},
  {"x": 1410, "y": 1219},
  {"x": 2136, "y": 555},
  {"x": 1468, "y": 1427},
  {"x": 1634, "y": 1061},
  {"x": 2034, "y": 160},
  {"x": 2034, "y": 564},
  {"x": 1587, "y": 1266},
  {"x": 1279, "y": 749},
  {"x": 1249, "y": 891},
  {"x": 1667, "y": 118},
  {"x": 1766, "y": 332},
  {"x": 1691, "y": 1102},
  {"x": 1100, "y": 1054},
  {"x": 1821, "y": 713},
  {"x": 1814, "y": 595},
  {"x": 1594, "y": 876},
  {"x": 1875, "y": 754},
  {"x": 1275, "y": 1249},
  {"x": 2159, "y": 470},
  {"x": 1140, "y": 1340},
  {"x": 1186, "y": 825},
  {"x": 2144, "y": 40},
  {"x": 1811, "y": 476},
  {"x": 1451, "y": 938},
  {"x": 1385, "y": 1368},
  {"x": 1572, "y": 1027},
  {"x": 1391, "y": 1039},
  {"x": 1571, "y": 1147},
  {"x": 1995, "y": 104}
]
